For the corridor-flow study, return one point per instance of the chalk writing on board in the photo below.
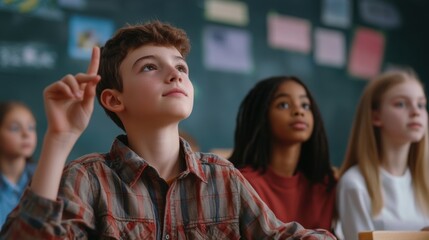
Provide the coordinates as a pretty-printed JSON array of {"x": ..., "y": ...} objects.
[{"x": 26, "y": 56}]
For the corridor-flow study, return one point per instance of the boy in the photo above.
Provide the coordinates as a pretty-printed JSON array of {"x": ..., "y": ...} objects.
[{"x": 150, "y": 185}]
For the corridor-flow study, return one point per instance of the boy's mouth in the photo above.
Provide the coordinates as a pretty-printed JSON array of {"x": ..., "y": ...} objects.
[{"x": 175, "y": 91}]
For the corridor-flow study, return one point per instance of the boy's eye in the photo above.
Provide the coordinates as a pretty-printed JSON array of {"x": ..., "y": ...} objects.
[
  {"x": 421, "y": 105},
  {"x": 182, "y": 68},
  {"x": 148, "y": 67}
]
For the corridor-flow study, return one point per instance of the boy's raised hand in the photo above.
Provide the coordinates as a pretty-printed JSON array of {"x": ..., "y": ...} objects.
[{"x": 69, "y": 102}]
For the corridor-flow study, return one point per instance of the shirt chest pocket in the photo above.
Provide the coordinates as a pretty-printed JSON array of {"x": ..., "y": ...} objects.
[
  {"x": 211, "y": 230},
  {"x": 114, "y": 228}
]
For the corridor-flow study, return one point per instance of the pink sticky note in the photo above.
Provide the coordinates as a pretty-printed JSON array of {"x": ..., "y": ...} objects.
[
  {"x": 366, "y": 55},
  {"x": 289, "y": 33}
]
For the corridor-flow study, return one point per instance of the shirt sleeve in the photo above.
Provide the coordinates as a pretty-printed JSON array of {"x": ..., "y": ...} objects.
[
  {"x": 69, "y": 217},
  {"x": 257, "y": 221},
  {"x": 354, "y": 207}
]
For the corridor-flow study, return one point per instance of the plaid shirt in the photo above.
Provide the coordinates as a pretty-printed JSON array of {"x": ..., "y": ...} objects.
[{"x": 119, "y": 196}]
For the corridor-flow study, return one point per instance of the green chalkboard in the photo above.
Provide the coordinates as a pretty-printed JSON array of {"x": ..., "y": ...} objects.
[{"x": 34, "y": 51}]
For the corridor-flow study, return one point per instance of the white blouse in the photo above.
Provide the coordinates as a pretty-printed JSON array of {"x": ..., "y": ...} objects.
[{"x": 399, "y": 212}]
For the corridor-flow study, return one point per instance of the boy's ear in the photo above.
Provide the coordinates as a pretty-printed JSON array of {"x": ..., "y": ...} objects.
[
  {"x": 376, "y": 119},
  {"x": 111, "y": 100}
]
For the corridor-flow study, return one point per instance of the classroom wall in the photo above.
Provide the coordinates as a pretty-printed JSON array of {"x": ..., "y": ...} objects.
[{"x": 36, "y": 48}]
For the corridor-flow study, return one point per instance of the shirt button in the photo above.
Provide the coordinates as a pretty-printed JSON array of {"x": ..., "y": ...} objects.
[{"x": 167, "y": 236}]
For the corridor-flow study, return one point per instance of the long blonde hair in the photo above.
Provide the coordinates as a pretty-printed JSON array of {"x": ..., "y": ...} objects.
[{"x": 364, "y": 147}]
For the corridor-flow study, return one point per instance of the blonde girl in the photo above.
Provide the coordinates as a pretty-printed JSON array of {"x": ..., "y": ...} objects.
[{"x": 384, "y": 183}]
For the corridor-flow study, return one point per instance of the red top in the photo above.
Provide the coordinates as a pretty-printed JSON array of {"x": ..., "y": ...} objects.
[{"x": 294, "y": 198}]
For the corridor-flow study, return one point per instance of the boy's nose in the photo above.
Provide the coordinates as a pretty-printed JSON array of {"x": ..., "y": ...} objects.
[{"x": 175, "y": 75}]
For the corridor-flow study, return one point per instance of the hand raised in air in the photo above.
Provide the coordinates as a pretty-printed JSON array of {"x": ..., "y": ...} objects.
[{"x": 69, "y": 102}]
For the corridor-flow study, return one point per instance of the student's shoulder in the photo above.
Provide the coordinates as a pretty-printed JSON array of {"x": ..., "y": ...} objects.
[
  {"x": 91, "y": 160},
  {"x": 250, "y": 173},
  {"x": 352, "y": 178},
  {"x": 212, "y": 159},
  {"x": 214, "y": 166}
]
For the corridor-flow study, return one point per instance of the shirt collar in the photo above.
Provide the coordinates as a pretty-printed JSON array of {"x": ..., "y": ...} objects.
[
  {"x": 130, "y": 166},
  {"x": 193, "y": 161},
  {"x": 22, "y": 181}
]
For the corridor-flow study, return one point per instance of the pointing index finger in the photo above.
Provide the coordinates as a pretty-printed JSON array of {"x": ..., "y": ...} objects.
[{"x": 95, "y": 61}]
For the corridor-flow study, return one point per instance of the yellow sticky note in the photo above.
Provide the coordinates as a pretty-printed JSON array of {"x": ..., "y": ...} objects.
[{"x": 230, "y": 12}]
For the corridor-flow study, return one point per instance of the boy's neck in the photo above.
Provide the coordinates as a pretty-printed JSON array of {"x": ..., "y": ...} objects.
[{"x": 160, "y": 148}]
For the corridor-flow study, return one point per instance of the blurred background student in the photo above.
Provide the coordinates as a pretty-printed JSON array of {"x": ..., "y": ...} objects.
[
  {"x": 384, "y": 180},
  {"x": 18, "y": 140},
  {"x": 281, "y": 148}
]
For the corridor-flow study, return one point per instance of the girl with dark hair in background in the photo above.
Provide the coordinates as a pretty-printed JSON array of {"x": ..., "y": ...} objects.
[{"x": 281, "y": 148}]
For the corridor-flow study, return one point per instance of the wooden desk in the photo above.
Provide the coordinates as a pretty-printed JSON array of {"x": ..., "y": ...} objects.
[{"x": 394, "y": 235}]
